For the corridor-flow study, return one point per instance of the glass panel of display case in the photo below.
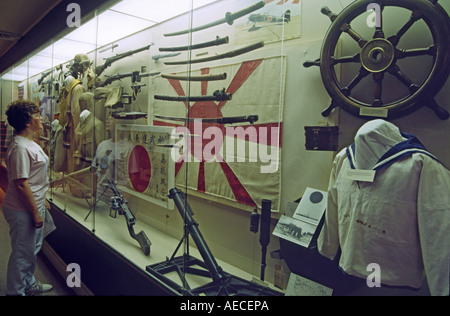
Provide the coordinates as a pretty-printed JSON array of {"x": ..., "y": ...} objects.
[
  {"x": 71, "y": 188},
  {"x": 182, "y": 114},
  {"x": 223, "y": 93},
  {"x": 121, "y": 76}
]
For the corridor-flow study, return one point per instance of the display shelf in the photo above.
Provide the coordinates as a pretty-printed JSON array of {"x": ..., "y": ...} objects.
[{"x": 111, "y": 232}]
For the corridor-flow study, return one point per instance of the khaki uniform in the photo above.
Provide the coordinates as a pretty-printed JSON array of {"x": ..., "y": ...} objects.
[{"x": 69, "y": 118}]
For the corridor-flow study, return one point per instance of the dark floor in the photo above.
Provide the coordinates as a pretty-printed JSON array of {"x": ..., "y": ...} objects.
[{"x": 45, "y": 271}]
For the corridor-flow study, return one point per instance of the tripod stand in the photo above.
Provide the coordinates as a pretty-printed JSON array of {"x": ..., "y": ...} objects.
[{"x": 222, "y": 283}]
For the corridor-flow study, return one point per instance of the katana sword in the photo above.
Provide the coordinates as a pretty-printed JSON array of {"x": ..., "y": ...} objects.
[
  {"x": 218, "y": 95},
  {"x": 210, "y": 77},
  {"x": 229, "y": 18},
  {"x": 218, "y": 41},
  {"x": 231, "y": 54},
  {"x": 220, "y": 120}
]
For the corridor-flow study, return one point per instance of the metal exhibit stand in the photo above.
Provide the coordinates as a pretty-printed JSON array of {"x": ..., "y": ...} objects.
[{"x": 222, "y": 284}]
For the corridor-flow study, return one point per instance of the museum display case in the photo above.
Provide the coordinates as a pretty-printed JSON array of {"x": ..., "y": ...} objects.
[{"x": 181, "y": 133}]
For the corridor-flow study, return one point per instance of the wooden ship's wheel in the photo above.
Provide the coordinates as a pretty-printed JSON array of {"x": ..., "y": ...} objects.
[{"x": 381, "y": 56}]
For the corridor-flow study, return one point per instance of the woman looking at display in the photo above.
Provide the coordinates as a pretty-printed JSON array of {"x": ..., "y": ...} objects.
[{"x": 24, "y": 205}]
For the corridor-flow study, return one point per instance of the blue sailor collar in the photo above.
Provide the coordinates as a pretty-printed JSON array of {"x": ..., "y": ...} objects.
[{"x": 405, "y": 148}]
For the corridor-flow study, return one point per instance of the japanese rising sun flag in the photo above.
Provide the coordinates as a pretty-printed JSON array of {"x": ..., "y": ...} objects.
[{"x": 226, "y": 153}]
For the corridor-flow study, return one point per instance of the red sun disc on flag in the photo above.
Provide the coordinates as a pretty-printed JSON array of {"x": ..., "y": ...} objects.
[{"x": 139, "y": 168}]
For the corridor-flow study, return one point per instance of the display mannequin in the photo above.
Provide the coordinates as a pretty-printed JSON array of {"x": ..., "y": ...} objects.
[
  {"x": 69, "y": 118},
  {"x": 79, "y": 66},
  {"x": 400, "y": 220},
  {"x": 88, "y": 135}
]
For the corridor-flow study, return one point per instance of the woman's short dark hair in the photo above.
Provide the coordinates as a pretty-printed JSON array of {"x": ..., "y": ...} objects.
[{"x": 19, "y": 113}]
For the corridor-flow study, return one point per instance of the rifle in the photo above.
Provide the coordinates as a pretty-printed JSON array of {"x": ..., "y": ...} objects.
[
  {"x": 110, "y": 60},
  {"x": 43, "y": 75},
  {"x": 218, "y": 95},
  {"x": 136, "y": 77},
  {"x": 120, "y": 203}
]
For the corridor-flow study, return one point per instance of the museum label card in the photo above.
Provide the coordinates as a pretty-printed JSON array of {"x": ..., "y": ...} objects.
[
  {"x": 300, "y": 286},
  {"x": 360, "y": 175},
  {"x": 311, "y": 206}
]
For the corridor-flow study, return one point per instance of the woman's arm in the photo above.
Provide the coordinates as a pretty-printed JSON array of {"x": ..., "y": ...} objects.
[{"x": 28, "y": 199}]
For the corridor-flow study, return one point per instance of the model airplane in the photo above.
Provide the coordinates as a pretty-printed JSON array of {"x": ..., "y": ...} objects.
[{"x": 268, "y": 18}]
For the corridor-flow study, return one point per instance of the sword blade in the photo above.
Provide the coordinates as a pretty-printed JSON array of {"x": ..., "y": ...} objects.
[
  {"x": 216, "y": 42},
  {"x": 231, "y": 54},
  {"x": 220, "y": 120},
  {"x": 229, "y": 18},
  {"x": 196, "y": 78}
]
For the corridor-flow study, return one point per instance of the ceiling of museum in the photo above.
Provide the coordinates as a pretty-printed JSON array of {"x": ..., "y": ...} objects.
[{"x": 18, "y": 17}]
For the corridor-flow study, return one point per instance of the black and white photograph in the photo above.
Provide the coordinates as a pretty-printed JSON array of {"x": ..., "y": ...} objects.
[{"x": 295, "y": 230}]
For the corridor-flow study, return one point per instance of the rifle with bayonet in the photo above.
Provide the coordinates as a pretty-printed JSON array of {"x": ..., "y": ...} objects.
[{"x": 108, "y": 61}]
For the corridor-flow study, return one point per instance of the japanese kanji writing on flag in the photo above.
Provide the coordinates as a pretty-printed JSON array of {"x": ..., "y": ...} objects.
[{"x": 239, "y": 161}]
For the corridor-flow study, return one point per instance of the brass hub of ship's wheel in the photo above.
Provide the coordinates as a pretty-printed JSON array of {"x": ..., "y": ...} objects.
[
  {"x": 377, "y": 55},
  {"x": 382, "y": 56}
]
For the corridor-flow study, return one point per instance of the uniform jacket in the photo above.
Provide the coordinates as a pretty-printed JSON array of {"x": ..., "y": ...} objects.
[{"x": 401, "y": 220}]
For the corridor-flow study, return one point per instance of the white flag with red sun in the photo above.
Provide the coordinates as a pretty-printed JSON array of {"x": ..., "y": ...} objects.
[{"x": 225, "y": 156}]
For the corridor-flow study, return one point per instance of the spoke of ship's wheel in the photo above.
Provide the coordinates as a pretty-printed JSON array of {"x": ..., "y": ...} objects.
[
  {"x": 378, "y": 88},
  {"x": 415, "y": 16},
  {"x": 346, "y": 59},
  {"x": 363, "y": 72},
  {"x": 353, "y": 34},
  {"x": 403, "y": 53},
  {"x": 395, "y": 71},
  {"x": 379, "y": 23}
]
